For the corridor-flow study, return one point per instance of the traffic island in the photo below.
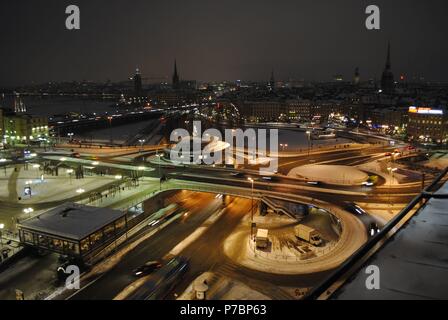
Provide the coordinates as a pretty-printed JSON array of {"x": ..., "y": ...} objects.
[
  {"x": 331, "y": 174},
  {"x": 288, "y": 254}
]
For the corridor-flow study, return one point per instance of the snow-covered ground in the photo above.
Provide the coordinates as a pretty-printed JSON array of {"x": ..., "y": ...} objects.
[
  {"x": 222, "y": 288},
  {"x": 54, "y": 188},
  {"x": 333, "y": 174},
  {"x": 285, "y": 259},
  {"x": 437, "y": 161}
]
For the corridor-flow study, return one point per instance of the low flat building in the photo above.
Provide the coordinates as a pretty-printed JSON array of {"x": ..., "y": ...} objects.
[{"x": 75, "y": 230}]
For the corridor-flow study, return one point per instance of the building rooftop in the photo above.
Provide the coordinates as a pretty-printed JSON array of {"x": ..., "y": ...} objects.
[
  {"x": 72, "y": 221},
  {"x": 413, "y": 264}
]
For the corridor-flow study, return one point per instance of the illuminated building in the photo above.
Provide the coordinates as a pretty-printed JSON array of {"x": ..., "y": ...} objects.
[
  {"x": 427, "y": 124},
  {"x": 24, "y": 129}
]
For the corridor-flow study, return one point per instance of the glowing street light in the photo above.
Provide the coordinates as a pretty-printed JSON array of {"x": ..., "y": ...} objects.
[
  {"x": 28, "y": 211},
  {"x": 70, "y": 171},
  {"x": 252, "y": 207},
  {"x": 391, "y": 172},
  {"x": 118, "y": 177},
  {"x": 142, "y": 141},
  {"x": 2, "y": 226},
  {"x": 160, "y": 173},
  {"x": 80, "y": 190},
  {"x": 308, "y": 132}
]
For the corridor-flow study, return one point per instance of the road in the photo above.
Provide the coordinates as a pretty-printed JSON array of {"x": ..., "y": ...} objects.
[
  {"x": 200, "y": 206},
  {"x": 204, "y": 254}
]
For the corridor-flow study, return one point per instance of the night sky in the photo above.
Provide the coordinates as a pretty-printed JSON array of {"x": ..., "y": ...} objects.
[{"x": 219, "y": 40}]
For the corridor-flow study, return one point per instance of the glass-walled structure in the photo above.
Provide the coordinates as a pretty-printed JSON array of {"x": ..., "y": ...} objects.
[{"x": 72, "y": 229}]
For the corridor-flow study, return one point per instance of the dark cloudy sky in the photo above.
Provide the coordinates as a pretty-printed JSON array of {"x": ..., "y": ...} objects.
[{"x": 218, "y": 40}]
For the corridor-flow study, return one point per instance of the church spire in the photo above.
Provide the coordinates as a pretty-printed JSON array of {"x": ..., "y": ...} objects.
[
  {"x": 272, "y": 80},
  {"x": 175, "y": 76},
  {"x": 388, "y": 65},
  {"x": 387, "y": 79}
]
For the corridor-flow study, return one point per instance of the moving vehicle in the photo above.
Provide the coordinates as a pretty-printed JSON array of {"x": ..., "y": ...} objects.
[
  {"x": 262, "y": 239},
  {"x": 162, "y": 281},
  {"x": 147, "y": 268},
  {"x": 237, "y": 174},
  {"x": 308, "y": 234},
  {"x": 354, "y": 208},
  {"x": 373, "y": 229}
]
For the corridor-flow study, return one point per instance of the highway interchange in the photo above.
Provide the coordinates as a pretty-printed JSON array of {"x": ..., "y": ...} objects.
[{"x": 205, "y": 253}]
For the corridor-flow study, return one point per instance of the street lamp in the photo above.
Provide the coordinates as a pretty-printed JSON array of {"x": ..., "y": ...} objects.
[
  {"x": 160, "y": 173},
  {"x": 391, "y": 172},
  {"x": 70, "y": 135},
  {"x": 252, "y": 207},
  {"x": 308, "y": 133},
  {"x": 28, "y": 211},
  {"x": 70, "y": 171},
  {"x": 142, "y": 141},
  {"x": 2, "y": 226}
]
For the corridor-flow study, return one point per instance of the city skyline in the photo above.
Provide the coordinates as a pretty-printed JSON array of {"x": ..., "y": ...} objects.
[{"x": 216, "y": 42}]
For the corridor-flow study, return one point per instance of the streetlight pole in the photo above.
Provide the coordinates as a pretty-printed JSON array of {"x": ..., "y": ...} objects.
[
  {"x": 252, "y": 207},
  {"x": 391, "y": 171},
  {"x": 160, "y": 173},
  {"x": 2, "y": 226},
  {"x": 142, "y": 141},
  {"x": 308, "y": 133}
]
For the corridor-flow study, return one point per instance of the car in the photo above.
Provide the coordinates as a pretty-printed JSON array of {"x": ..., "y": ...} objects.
[
  {"x": 373, "y": 229},
  {"x": 159, "y": 285},
  {"x": 315, "y": 183},
  {"x": 147, "y": 268},
  {"x": 237, "y": 174},
  {"x": 355, "y": 209},
  {"x": 76, "y": 155}
]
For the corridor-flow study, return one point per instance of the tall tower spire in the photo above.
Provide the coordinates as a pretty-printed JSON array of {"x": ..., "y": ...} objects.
[
  {"x": 138, "y": 92},
  {"x": 387, "y": 79},
  {"x": 272, "y": 80},
  {"x": 175, "y": 76},
  {"x": 356, "y": 78},
  {"x": 388, "y": 65}
]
